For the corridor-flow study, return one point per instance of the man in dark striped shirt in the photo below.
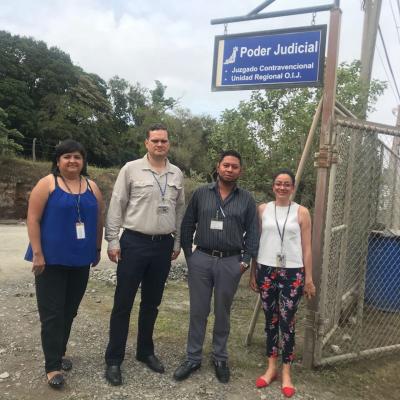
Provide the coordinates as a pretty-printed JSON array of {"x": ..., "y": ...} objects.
[{"x": 225, "y": 221}]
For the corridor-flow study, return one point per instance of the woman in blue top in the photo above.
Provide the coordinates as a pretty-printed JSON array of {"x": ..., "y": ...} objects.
[{"x": 65, "y": 228}]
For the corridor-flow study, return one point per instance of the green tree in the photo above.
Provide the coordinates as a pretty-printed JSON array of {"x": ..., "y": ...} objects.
[
  {"x": 138, "y": 100},
  {"x": 16, "y": 100},
  {"x": 189, "y": 136},
  {"x": 82, "y": 112},
  {"x": 134, "y": 109},
  {"x": 47, "y": 97},
  {"x": 118, "y": 89},
  {"x": 7, "y": 143},
  {"x": 158, "y": 99},
  {"x": 349, "y": 88},
  {"x": 29, "y": 72},
  {"x": 271, "y": 128}
]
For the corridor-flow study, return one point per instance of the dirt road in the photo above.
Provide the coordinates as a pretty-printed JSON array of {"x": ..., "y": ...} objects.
[
  {"x": 21, "y": 359},
  {"x": 13, "y": 239}
]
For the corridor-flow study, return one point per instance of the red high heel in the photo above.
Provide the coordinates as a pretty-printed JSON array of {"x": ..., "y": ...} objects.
[{"x": 262, "y": 383}]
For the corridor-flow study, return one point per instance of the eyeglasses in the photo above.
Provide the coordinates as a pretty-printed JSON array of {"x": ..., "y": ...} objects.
[{"x": 285, "y": 185}]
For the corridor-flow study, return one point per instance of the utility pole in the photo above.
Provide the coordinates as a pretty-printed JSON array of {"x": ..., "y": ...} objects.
[
  {"x": 396, "y": 139},
  {"x": 372, "y": 10},
  {"x": 395, "y": 166}
]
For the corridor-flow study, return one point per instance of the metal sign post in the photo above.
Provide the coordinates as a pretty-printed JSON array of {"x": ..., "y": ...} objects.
[{"x": 323, "y": 162}]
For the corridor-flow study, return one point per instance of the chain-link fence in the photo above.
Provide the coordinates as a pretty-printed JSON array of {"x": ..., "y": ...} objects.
[{"x": 359, "y": 306}]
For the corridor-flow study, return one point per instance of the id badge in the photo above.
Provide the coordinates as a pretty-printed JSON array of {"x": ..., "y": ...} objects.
[
  {"x": 281, "y": 260},
  {"x": 162, "y": 209},
  {"x": 217, "y": 225},
  {"x": 80, "y": 230}
]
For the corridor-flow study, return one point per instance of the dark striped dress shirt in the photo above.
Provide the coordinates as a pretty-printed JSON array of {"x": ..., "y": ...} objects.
[{"x": 240, "y": 223}]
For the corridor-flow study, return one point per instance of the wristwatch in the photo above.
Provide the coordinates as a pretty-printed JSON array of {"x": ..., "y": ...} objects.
[{"x": 244, "y": 265}]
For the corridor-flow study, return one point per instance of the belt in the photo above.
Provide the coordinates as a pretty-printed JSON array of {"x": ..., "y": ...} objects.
[
  {"x": 149, "y": 237},
  {"x": 218, "y": 253}
]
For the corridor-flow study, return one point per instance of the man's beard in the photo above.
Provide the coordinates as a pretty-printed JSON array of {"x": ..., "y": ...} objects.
[{"x": 233, "y": 181}]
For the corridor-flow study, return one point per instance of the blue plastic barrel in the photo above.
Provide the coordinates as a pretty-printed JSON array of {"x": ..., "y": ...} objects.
[{"x": 382, "y": 288}]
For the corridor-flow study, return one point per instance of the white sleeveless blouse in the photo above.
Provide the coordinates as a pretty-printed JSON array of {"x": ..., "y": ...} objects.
[{"x": 270, "y": 241}]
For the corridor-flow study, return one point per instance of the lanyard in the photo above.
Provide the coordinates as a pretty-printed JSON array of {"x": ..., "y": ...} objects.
[
  {"x": 219, "y": 204},
  {"x": 162, "y": 191},
  {"x": 77, "y": 200},
  {"x": 282, "y": 234},
  {"x": 222, "y": 212}
]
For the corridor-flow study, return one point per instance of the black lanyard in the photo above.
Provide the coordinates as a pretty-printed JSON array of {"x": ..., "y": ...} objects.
[
  {"x": 219, "y": 203},
  {"x": 159, "y": 186},
  {"x": 219, "y": 198},
  {"x": 77, "y": 200},
  {"x": 282, "y": 234}
]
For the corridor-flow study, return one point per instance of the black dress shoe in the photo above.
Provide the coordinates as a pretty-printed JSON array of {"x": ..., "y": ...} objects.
[
  {"x": 113, "y": 375},
  {"x": 185, "y": 369},
  {"x": 66, "y": 364},
  {"x": 222, "y": 371},
  {"x": 152, "y": 362},
  {"x": 56, "y": 382}
]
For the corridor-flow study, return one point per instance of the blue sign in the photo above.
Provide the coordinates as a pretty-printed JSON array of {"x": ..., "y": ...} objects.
[{"x": 270, "y": 59}]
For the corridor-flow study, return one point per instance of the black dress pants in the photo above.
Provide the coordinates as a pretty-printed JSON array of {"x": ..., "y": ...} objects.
[
  {"x": 146, "y": 261},
  {"x": 59, "y": 291}
]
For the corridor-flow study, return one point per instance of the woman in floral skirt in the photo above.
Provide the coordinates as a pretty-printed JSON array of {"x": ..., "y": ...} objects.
[{"x": 282, "y": 274}]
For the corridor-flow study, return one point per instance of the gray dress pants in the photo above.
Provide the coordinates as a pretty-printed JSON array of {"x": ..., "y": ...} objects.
[{"x": 208, "y": 273}]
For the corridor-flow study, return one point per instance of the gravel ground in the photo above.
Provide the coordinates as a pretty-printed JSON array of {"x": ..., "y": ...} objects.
[{"x": 21, "y": 359}]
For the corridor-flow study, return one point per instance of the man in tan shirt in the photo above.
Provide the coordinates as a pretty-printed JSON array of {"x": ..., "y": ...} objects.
[{"x": 148, "y": 203}]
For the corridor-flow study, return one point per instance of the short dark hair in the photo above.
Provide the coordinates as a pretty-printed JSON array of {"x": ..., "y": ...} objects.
[
  {"x": 284, "y": 171},
  {"x": 156, "y": 127},
  {"x": 68, "y": 146},
  {"x": 232, "y": 153}
]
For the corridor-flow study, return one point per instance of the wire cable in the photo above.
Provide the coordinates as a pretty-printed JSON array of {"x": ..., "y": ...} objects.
[
  {"x": 388, "y": 61},
  {"x": 395, "y": 22},
  {"x": 387, "y": 76}
]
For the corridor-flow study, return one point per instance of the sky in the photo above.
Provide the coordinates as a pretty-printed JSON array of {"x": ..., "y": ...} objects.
[{"x": 172, "y": 41}]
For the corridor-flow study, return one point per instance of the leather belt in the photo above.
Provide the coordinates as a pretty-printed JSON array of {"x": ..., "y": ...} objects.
[
  {"x": 218, "y": 253},
  {"x": 149, "y": 237}
]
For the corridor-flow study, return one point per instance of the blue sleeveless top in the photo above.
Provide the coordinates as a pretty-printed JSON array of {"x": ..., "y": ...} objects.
[{"x": 60, "y": 245}]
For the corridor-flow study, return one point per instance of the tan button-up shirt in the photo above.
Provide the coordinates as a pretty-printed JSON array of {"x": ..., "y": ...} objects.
[{"x": 137, "y": 202}]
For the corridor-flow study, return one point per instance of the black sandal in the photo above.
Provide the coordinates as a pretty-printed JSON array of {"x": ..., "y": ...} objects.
[
  {"x": 66, "y": 364},
  {"x": 56, "y": 382}
]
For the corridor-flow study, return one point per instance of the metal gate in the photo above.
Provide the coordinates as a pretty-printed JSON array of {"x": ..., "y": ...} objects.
[{"x": 359, "y": 302}]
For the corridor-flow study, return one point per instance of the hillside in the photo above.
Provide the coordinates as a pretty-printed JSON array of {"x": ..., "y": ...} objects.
[{"x": 18, "y": 176}]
